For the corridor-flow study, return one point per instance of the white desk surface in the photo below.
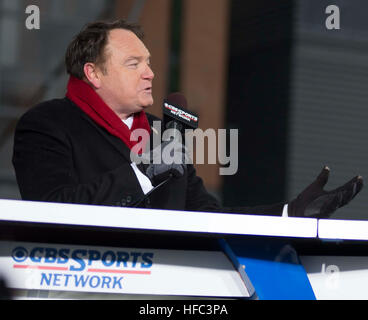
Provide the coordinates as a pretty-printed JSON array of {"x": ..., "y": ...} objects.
[
  {"x": 152, "y": 219},
  {"x": 183, "y": 221},
  {"x": 343, "y": 229}
]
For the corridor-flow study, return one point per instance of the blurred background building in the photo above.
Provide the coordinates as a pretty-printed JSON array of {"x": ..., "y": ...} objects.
[{"x": 295, "y": 90}]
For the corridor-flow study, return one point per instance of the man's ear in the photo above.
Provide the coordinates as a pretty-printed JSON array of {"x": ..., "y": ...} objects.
[{"x": 92, "y": 74}]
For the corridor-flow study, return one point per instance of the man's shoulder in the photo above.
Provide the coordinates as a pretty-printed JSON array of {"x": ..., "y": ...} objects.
[
  {"x": 54, "y": 108},
  {"x": 60, "y": 113},
  {"x": 51, "y": 115}
]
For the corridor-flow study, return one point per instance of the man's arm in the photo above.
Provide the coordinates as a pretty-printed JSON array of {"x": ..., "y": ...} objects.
[
  {"x": 198, "y": 199},
  {"x": 312, "y": 202},
  {"x": 44, "y": 167}
]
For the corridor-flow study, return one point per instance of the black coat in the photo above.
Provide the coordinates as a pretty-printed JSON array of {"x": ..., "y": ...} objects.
[{"x": 61, "y": 155}]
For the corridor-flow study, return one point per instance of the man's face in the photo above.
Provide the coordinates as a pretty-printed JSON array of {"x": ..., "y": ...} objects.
[{"x": 126, "y": 84}]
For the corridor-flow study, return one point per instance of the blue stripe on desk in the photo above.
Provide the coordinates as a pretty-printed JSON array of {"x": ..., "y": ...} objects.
[{"x": 272, "y": 266}]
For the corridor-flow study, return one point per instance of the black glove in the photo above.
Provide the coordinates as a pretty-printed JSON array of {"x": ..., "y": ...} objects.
[
  {"x": 167, "y": 160},
  {"x": 314, "y": 202}
]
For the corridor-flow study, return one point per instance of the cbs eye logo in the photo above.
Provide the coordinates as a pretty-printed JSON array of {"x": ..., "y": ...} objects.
[{"x": 19, "y": 254}]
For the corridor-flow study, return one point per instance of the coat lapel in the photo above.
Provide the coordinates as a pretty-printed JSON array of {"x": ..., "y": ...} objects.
[{"x": 119, "y": 145}]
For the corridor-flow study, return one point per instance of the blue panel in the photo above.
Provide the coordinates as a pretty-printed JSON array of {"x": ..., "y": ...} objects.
[{"x": 273, "y": 268}]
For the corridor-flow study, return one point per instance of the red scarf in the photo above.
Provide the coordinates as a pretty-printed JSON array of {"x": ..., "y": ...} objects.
[{"x": 91, "y": 103}]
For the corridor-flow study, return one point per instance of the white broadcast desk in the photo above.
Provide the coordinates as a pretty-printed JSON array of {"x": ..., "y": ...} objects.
[
  {"x": 256, "y": 257},
  {"x": 151, "y": 219}
]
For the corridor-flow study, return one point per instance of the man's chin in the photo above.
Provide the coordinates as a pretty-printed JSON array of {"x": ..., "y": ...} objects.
[{"x": 146, "y": 104}]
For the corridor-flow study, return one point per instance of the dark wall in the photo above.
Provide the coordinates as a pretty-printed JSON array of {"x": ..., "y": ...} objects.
[{"x": 260, "y": 45}]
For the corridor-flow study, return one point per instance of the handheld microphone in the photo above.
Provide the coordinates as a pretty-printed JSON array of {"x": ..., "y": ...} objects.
[{"x": 175, "y": 116}]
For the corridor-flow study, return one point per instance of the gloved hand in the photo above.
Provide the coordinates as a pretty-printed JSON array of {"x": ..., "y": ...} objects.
[
  {"x": 167, "y": 160},
  {"x": 318, "y": 203}
]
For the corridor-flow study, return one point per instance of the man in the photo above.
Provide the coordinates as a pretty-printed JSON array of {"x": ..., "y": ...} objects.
[{"x": 77, "y": 149}]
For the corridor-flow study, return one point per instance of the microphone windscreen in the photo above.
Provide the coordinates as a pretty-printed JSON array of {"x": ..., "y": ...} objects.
[{"x": 177, "y": 99}]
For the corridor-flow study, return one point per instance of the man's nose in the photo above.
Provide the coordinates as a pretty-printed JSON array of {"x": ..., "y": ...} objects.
[{"x": 148, "y": 73}]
